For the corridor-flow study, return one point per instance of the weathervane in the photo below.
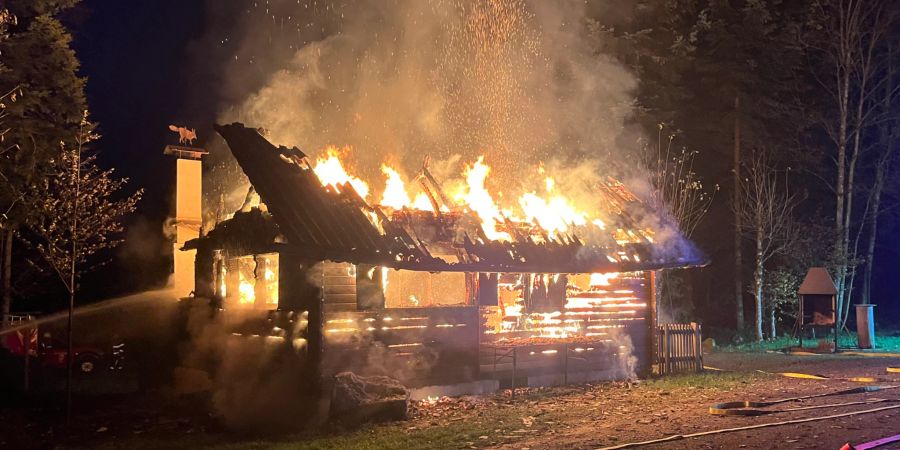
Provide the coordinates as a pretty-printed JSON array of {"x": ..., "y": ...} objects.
[{"x": 185, "y": 135}]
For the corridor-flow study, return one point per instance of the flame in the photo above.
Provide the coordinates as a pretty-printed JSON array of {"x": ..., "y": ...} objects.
[
  {"x": 271, "y": 287},
  {"x": 479, "y": 200},
  {"x": 422, "y": 202},
  {"x": 330, "y": 171},
  {"x": 222, "y": 290},
  {"x": 602, "y": 279},
  {"x": 395, "y": 195},
  {"x": 608, "y": 301},
  {"x": 545, "y": 213},
  {"x": 555, "y": 215},
  {"x": 246, "y": 292},
  {"x": 550, "y": 326}
]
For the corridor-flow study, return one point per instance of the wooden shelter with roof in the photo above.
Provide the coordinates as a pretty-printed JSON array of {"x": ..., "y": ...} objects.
[
  {"x": 818, "y": 303},
  {"x": 424, "y": 296}
]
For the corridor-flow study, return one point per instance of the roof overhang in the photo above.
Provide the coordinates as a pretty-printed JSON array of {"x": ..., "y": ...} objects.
[{"x": 323, "y": 223}]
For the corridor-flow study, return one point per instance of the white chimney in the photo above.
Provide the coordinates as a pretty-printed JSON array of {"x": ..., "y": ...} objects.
[{"x": 188, "y": 213}]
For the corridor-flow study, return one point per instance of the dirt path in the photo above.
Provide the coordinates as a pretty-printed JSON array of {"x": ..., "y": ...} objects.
[
  {"x": 620, "y": 416},
  {"x": 570, "y": 418}
]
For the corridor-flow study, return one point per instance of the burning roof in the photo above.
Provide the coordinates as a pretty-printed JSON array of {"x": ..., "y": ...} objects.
[{"x": 322, "y": 212}]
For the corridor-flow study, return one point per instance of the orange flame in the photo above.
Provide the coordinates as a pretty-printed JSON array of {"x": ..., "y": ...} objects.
[
  {"x": 479, "y": 200},
  {"x": 395, "y": 195},
  {"x": 551, "y": 210},
  {"x": 331, "y": 172}
]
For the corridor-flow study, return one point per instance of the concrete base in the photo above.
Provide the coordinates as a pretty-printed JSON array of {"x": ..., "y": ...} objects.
[
  {"x": 490, "y": 386},
  {"x": 558, "y": 379},
  {"x": 452, "y": 390}
]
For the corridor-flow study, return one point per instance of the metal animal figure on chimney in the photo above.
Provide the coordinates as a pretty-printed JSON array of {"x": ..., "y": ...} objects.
[{"x": 185, "y": 135}]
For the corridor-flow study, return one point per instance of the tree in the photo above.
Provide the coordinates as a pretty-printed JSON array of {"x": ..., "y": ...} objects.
[
  {"x": 39, "y": 65},
  {"x": 781, "y": 288},
  {"x": 888, "y": 131},
  {"x": 76, "y": 216},
  {"x": 847, "y": 42},
  {"x": 766, "y": 210},
  {"x": 720, "y": 71},
  {"x": 679, "y": 191}
]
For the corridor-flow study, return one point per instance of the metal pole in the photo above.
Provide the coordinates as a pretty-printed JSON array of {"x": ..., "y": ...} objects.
[
  {"x": 27, "y": 340},
  {"x": 513, "y": 385},
  {"x": 834, "y": 308},
  {"x": 666, "y": 347},
  {"x": 494, "y": 372},
  {"x": 800, "y": 321}
]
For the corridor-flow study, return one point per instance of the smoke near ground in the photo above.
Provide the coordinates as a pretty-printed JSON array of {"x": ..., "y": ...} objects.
[{"x": 258, "y": 383}]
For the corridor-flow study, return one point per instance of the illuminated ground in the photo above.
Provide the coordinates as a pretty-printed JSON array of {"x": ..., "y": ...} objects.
[{"x": 575, "y": 417}]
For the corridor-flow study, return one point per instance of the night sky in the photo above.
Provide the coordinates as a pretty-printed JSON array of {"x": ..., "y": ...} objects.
[{"x": 134, "y": 55}]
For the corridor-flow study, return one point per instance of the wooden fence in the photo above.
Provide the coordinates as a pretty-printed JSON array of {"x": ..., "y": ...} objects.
[{"x": 678, "y": 348}]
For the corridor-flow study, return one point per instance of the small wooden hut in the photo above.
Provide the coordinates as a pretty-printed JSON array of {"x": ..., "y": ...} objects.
[{"x": 818, "y": 301}]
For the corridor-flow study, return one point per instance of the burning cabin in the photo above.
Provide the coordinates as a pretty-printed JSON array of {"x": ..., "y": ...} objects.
[{"x": 431, "y": 294}]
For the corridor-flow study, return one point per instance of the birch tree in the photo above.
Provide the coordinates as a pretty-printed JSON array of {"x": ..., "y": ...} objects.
[
  {"x": 846, "y": 40},
  {"x": 766, "y": 208}
]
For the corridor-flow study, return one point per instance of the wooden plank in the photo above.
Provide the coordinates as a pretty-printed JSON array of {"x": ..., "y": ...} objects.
[
  {"x": 339, "y": 307},
  {"x": 335, "y": 290}
]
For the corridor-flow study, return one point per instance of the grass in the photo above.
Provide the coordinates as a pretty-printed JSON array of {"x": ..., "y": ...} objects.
[
  {"x": 883, "y": 343},
  {"x": 704, "y": 380},
  {"x": 458, "y": 431},
  {"x": 493, "y": 422},
  {"x": 393, "y": 436}
]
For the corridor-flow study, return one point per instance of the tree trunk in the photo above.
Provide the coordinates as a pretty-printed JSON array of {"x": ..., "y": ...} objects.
[
  {"x": 738, "y": 285},
  {"x": 887, "y": 137},
  {"x": 844, "y": 294},
  {"x": 840, "y": 185},
  {"x": 758, "y": 283},
  {"x": 870, "y": 250},
  {"x": 877, "y": 189},
  {"x": 6, "y": 276},
  {"x": 773, "y": 333}
]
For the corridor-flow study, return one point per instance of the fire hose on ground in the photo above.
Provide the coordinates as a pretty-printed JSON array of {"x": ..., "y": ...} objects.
[{"x": 752, "y": 408}]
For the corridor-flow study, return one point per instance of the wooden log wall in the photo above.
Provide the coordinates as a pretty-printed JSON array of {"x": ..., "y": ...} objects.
[
  {"x": 611, "y": 320},
  {"x": 418, "y": 346}
]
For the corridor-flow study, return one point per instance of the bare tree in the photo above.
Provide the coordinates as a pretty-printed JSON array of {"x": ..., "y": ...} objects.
[
  {"x": 678, "y": 190},
  {"x": 736, "y": 207},
  {"x": 76, "y": 215},
  {"x": 849, "y": 36},
  {"x": 766, "y": 209}
]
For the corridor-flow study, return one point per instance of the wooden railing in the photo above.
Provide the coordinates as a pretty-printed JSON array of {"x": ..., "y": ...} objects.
[{"x": 679, "y": 348}]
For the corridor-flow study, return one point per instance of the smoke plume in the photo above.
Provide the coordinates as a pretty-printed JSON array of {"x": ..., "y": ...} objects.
[{"x": 519, "y": 81}]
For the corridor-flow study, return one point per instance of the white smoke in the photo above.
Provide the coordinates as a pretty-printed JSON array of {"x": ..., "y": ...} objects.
[{"x": 519, "y": 81}]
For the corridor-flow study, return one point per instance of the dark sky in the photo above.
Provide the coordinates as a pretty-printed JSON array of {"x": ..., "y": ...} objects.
[{"x": 134, "y": 55}]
